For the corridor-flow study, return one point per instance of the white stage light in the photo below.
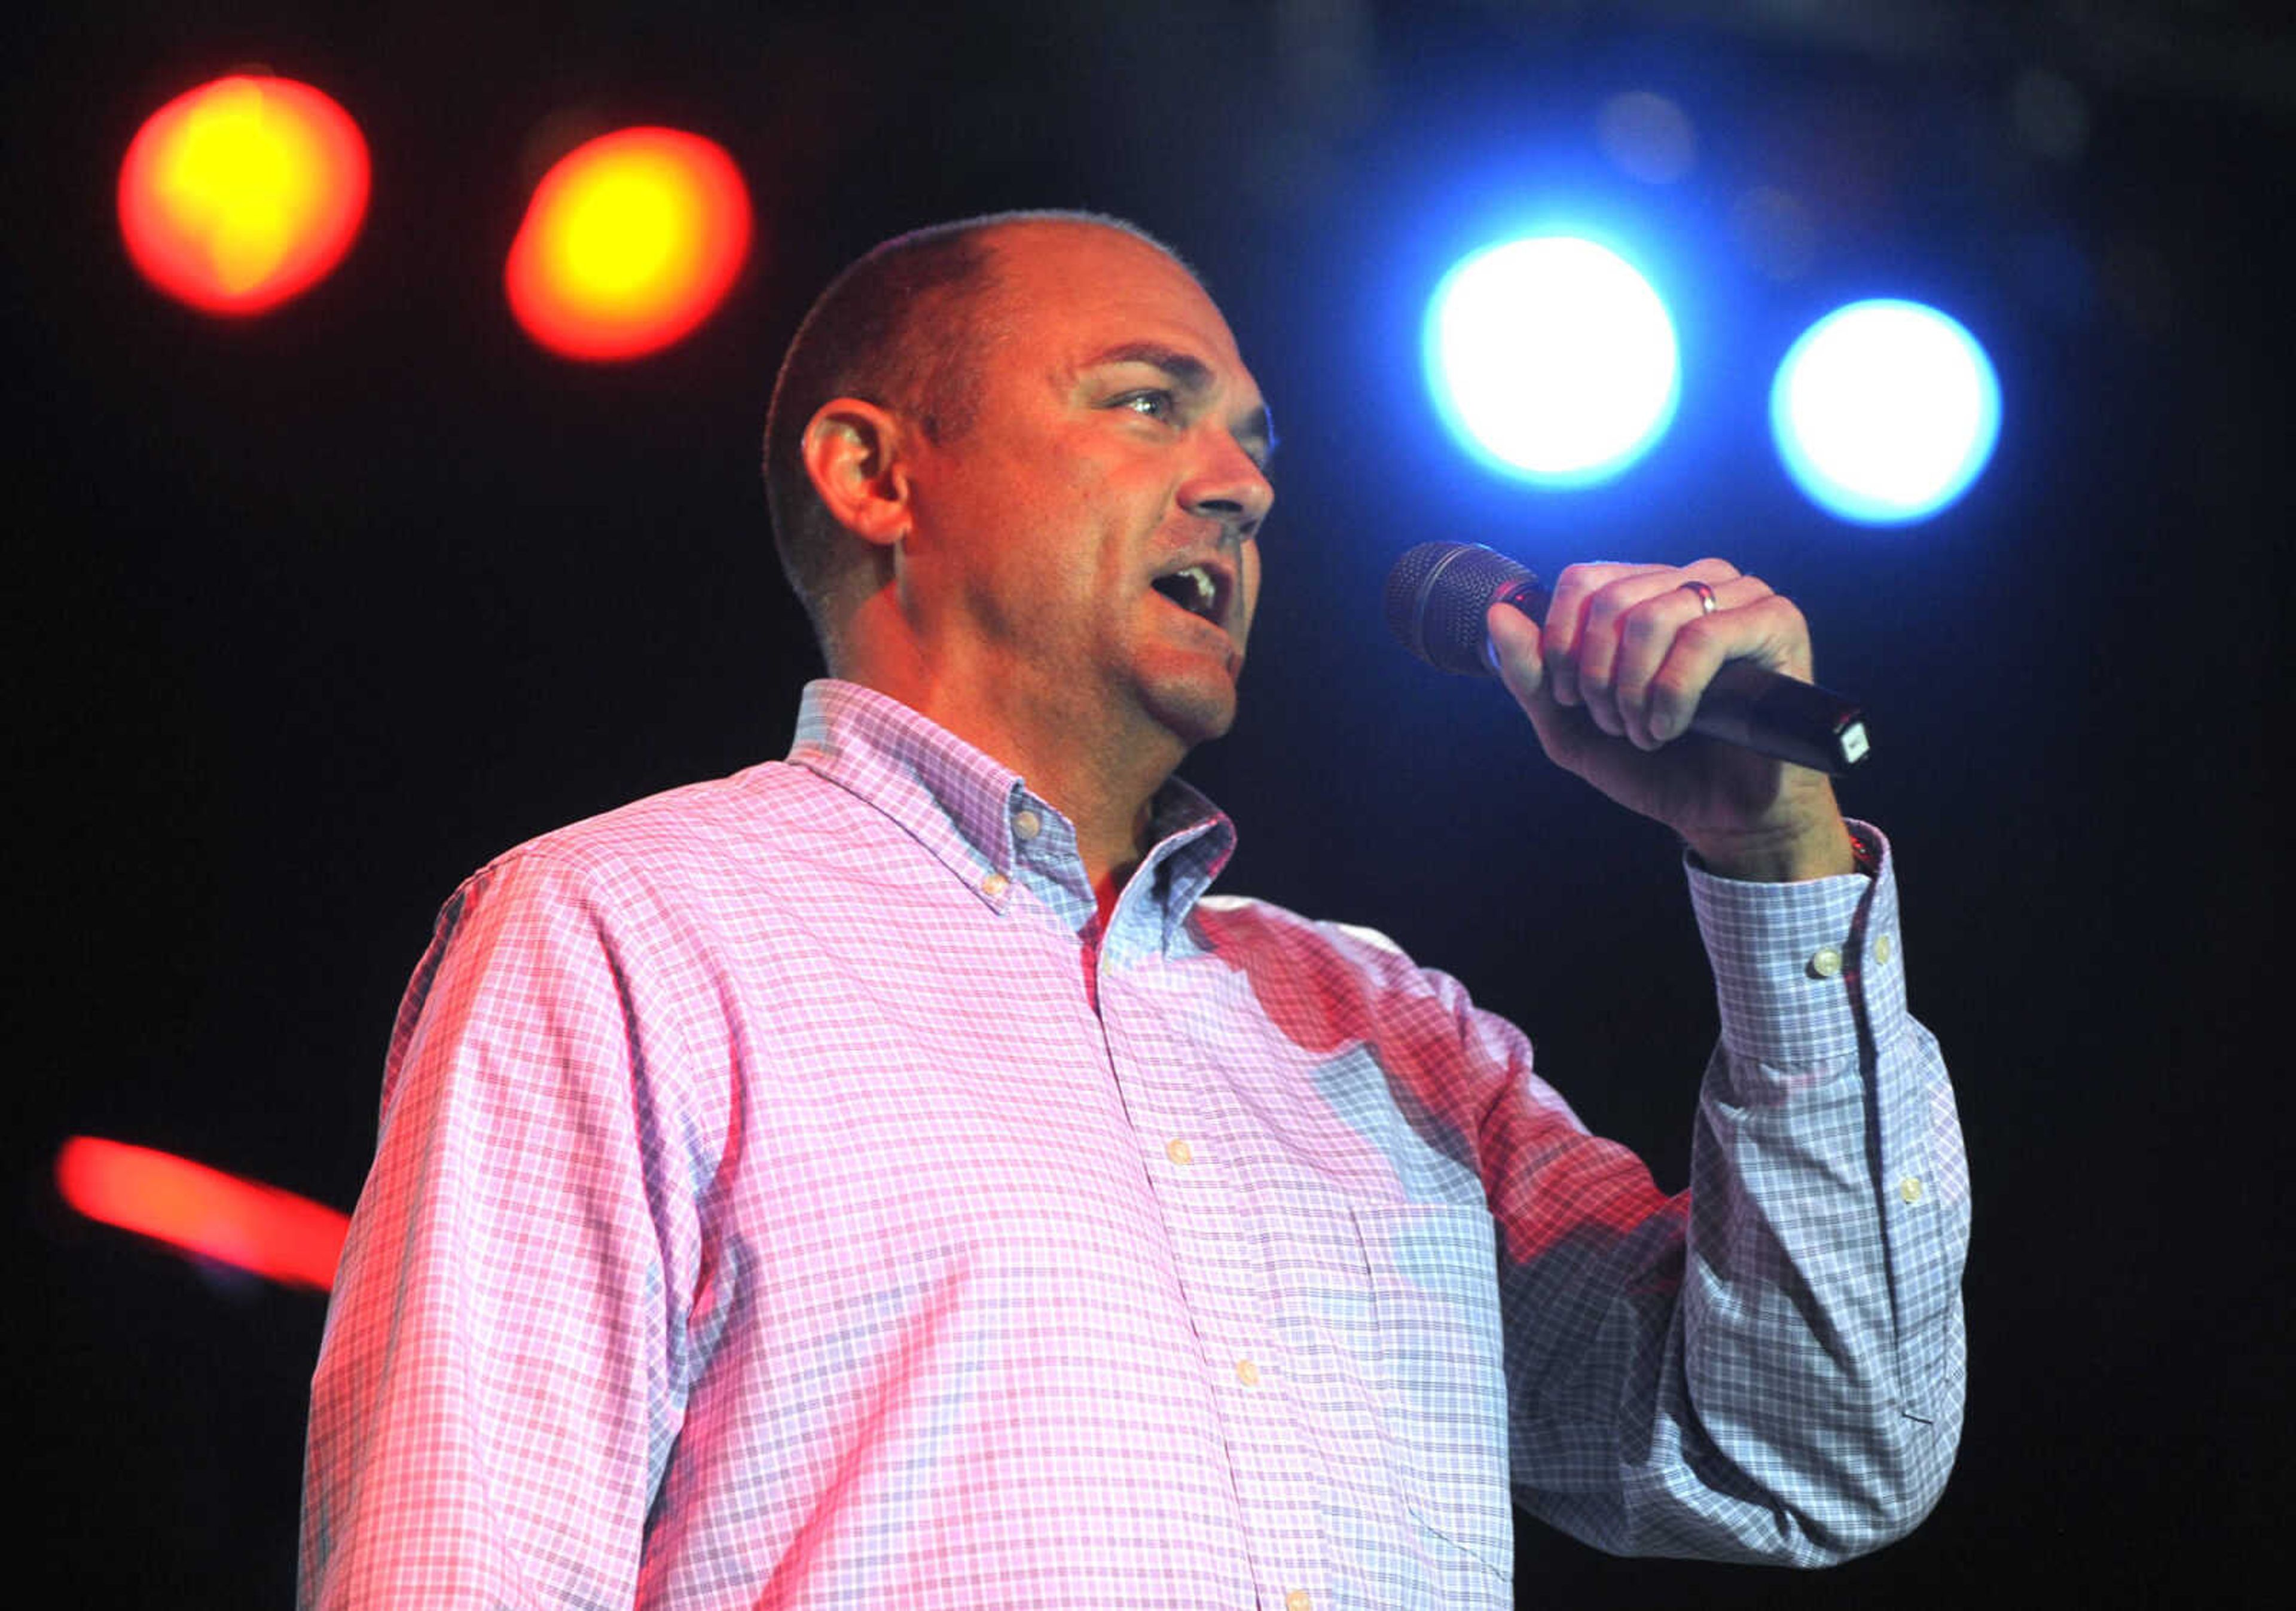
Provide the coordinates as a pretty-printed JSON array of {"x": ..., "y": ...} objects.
[
  {"x": 1885, "y": 412},
  {"x": 1551, "y": 358}
]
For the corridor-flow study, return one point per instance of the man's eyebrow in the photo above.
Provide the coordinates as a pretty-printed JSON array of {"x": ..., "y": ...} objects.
[
  {"x": 1194, "y": 374},
  {"x": 1186, "y": 368}
]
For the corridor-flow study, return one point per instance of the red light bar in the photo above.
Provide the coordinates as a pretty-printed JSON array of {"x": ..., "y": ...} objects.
[{"x": 272, "y": 1233}]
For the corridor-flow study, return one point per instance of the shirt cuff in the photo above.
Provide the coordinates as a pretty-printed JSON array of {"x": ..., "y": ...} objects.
[{"x": 1797, "y": 965}]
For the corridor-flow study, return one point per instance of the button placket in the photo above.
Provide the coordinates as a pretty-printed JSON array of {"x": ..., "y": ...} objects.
[{"x": 1218, "y": 1271}]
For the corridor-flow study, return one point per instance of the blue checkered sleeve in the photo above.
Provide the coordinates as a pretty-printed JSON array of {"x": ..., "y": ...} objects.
[{"x": 1771, "y": 1368}]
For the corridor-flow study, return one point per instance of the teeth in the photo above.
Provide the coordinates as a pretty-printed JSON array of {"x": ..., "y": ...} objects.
[
  {"x": 1193, "y": 590},
  {"x": 1205, "y": 591}
]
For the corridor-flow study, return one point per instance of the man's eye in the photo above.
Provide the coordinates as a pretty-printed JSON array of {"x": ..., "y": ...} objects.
[{"x": 1156, "y": 405}]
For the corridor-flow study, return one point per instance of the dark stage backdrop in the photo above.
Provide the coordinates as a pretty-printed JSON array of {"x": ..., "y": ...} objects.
[{"x": 310, "y": 615}]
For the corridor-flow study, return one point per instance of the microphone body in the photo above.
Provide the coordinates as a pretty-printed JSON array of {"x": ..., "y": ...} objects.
[{"x": 1436, "y": 596}]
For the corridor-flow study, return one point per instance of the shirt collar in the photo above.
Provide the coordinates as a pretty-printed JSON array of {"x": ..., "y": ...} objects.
[{"x": 960, "y": 804}]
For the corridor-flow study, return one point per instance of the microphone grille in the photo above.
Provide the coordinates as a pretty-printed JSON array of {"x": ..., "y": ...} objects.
[{"x": 1436, "y": 598}]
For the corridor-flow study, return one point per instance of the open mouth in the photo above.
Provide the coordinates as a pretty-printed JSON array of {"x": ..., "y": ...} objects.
[{"x": 1198, "y": 590}]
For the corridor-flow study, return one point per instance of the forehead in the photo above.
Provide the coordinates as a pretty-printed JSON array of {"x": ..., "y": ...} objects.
[{"x": 1072, "y": 289}]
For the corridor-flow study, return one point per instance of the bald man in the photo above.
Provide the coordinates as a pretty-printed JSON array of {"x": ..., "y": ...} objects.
[{"x": 887, "y": 1177}]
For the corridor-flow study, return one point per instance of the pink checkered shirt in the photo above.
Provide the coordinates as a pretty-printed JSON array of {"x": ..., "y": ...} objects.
[{"x": 786, "y": 1196}]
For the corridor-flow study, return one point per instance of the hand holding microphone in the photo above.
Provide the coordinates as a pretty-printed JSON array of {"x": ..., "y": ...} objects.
[{"x": 1620, "y": 660}]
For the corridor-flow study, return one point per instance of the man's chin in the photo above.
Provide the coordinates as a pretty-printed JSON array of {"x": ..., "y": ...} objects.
[{"x": 1194, "y": 708}]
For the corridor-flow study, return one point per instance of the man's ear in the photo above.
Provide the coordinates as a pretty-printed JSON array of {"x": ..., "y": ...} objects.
[{"x": 853, "y": 453}]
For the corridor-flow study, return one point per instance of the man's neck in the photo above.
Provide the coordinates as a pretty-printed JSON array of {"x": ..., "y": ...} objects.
[
  {"x": 1104, "y": 784},
  {"x": 1102, "y": 775}
]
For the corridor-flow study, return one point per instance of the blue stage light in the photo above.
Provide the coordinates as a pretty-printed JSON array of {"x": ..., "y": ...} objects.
[
  {"x": 1550, "y": 358},
  {"x": 1885, "y": 412}
]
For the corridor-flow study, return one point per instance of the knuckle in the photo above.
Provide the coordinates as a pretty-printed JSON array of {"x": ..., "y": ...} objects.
[
  {"x": 1701, "y": 634},
  {"x": 1673, "y": 684},
  {"x": 1785, "y": 612}
]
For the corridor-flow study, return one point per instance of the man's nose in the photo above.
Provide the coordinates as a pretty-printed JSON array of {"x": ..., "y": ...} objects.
[{"x": 1229, "y": 485}]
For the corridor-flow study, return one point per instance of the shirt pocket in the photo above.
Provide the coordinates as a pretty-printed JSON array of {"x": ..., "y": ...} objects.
[{"x": 1440, "y": 1368}]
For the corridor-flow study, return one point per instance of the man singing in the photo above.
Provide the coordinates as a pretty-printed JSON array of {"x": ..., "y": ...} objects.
[{"x": 886, "y": 1177}]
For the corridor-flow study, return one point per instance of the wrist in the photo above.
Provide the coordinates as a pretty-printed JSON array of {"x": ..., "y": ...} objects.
[{"x": 1823, "y": 850}]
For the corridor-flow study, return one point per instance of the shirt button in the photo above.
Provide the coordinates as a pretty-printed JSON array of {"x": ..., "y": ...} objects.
[
  {"x": 1297, "y": 1600},
  {"x": 1910, "y": 1189},
  {"x": 1883, "y": 949},
  {"x": 995, "y": 884},
  {"x": 1179, "y": 1152},
  {"x": 1246, "y": 1373},
  {"x": 1027, "y": 823},
  {"x": 1826, "y": 963}
]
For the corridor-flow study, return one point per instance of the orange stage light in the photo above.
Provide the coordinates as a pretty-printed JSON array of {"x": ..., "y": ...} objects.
[
  {"x": 273, "y": 1233},
  {"x": 631, "y": 240},
  {"x": 242, "y": 192}
]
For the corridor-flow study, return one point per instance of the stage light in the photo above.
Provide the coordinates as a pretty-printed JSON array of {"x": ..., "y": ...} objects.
[
  {"x": 242, "y": 192},
  {"x": 257, "y": 1228},
  {"x": 1885, "y": 412},
  {"x": 1551, "y": 358},
  {"x": 631, "y": 240}
]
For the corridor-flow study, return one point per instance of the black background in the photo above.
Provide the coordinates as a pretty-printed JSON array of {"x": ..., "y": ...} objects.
[{"x": 311, "y": 615}]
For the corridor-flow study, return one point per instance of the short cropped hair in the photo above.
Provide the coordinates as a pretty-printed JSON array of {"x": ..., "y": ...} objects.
[{"x": 906, "y": 327}]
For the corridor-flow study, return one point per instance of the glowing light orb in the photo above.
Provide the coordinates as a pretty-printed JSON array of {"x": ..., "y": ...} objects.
[
  {"x": 631, "y": 240},
  {"x": 1885, "y": 412},
  {"x": 242, "y": 192},
  {"x": 1551, "y": 358},
  {"x": 254, "y": 1227}
]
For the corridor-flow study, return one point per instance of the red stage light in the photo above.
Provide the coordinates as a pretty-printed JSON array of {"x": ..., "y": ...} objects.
[
  {"x": 288, "y": 1238},
  {"x": 631, "y": 240},
  {"x": 242, "y": 192}
]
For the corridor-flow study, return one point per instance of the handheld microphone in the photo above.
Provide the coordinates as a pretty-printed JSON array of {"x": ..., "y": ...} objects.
[{"x": 1437, "y": 595}]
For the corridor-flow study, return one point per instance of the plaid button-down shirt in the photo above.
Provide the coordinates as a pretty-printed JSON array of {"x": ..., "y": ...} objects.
[{"x": 787, "y": 1197}]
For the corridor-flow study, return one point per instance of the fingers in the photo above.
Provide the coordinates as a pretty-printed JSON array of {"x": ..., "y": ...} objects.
[
  {"x": 1584, "y": 619},
  {"x": 1768, "y": 630},
  {"x": 1567, "y": 619},
  {"x": 1636, "y": 648},
  {"x": 1669, "y": 648}
]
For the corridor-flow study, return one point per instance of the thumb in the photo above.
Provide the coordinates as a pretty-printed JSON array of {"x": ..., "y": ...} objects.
[
  {"x": 1516, "y": 645},
  {"x": 1567, "y": 736}
]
